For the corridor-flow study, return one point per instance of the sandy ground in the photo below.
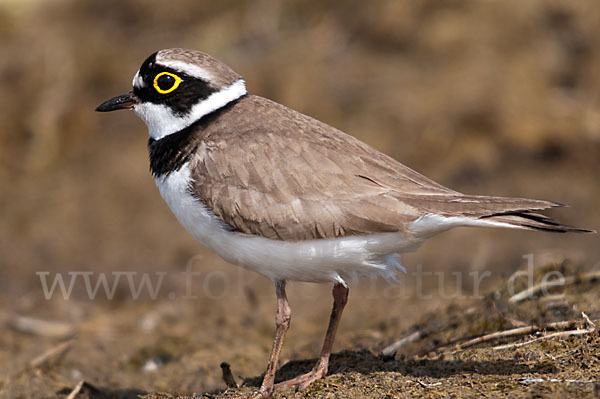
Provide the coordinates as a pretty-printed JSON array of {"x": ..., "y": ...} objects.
[{"x": 148, "y": 348}]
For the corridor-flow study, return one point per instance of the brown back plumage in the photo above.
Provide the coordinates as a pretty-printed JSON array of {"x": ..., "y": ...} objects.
[{"x": 271, "y": 171}]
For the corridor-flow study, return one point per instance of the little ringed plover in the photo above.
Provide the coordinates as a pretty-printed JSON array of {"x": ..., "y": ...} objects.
[{"x": 282, "y": 194}]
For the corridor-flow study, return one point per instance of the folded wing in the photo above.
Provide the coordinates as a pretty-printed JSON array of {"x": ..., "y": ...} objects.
[{"x": 299, "y": 179}]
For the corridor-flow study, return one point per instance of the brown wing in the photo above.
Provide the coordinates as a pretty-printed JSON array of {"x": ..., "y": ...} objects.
[
  {"x": 268, "y": 170},
  {"x": 284, "y": 175}
]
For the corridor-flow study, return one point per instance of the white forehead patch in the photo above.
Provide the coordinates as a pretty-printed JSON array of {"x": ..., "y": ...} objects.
[
  {"x": 138, "y": 82},
  {"x": 189, "y": 69}
]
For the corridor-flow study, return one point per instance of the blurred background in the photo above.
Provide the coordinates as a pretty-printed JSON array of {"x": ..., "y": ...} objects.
[{"x": 486, "y": 97}]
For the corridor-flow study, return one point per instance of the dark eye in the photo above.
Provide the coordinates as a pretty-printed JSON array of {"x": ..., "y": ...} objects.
[{"x": 166, "y": 82}]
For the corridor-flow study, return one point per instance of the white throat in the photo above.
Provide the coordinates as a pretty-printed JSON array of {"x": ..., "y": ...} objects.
[{"x": 161, "y": 120}]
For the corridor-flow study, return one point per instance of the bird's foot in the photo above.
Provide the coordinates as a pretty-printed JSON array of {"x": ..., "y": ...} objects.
[
  {"x": 261, "y": 394},
  {"x": 303, "y": 381}
]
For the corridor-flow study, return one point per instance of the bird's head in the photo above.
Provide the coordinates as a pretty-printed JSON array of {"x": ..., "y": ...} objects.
[{"x": 176, "y": 87}]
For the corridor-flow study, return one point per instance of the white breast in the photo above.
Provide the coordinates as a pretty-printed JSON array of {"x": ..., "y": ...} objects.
[{"x": 340, "y": 260}]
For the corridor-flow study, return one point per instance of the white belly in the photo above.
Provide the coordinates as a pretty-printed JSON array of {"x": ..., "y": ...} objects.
[{"x": 340, "y": 260}]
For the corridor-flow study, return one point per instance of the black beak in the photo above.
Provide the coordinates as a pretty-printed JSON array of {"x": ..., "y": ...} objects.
[{"x": 124, "y": 101}]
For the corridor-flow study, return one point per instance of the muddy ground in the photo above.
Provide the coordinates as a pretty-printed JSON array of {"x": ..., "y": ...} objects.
[{"x": 168, "y": 349}]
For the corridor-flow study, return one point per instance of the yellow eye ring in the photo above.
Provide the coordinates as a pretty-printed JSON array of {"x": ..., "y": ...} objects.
[{"x": 170, "y": 89}]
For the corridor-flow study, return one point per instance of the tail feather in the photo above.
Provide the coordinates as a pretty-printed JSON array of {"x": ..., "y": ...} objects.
[
  {"x": 534, "y": 221},
  {"x": 475, "y": 206},
  {"x": 441, "y": 212}
]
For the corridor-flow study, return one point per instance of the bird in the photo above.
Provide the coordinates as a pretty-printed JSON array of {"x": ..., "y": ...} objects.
[{"x": 289, "y": 197}]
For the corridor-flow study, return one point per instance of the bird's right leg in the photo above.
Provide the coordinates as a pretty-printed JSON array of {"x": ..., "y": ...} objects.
[
  {"x": 340, "y": 298},
  {"x": 282, "y": 323}
]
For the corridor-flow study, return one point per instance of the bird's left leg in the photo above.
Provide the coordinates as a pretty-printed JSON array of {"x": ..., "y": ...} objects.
[{"x": 340, "y": 298}]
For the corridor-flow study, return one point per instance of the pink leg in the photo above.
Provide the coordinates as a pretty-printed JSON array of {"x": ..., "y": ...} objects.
[
  {"x": 282, "y": 323},
  {"x": 340, "y": 298}
]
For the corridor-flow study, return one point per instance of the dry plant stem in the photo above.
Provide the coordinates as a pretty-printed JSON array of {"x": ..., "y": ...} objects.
[
  {"x": 553, "y": 335},
  {"x": 228, "y": 376},
  {"x": 425, "y": 385},
  {"x": 340, "y": 298},
  {"x": 51, "y": 354},
  {"x": 579, "y": 331},
  {"x": 409, "y": 339},
  {"x": 46, "y": 328},
  {"x": 514, "y": 332},
  {"x": 282, "y": 323},
  {"x": 536, "y": 289},
  {"x": 76, "y": 390}
]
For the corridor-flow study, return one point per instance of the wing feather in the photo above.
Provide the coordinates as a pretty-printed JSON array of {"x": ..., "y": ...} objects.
[{"x": 295, "y": 178}]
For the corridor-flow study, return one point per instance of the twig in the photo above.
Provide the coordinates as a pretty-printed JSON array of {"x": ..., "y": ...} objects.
[
  {"x": 524, "y": 330},
  {"x": 544, "y": 285},
  {"x": 75, "y": 390},
  {"x": 425, "y": 385},
  {"x": 409, "y": 339},
  {"x": 579, "y": 331},
  {"x": 553, "y": 335},
  {"x": 46, "y": 328},
  {"x": 51, "y": 354},
  {"x": 228, "y": 376},
  {"x": 46, "y": 357},
  {"x": 532, "y": 380},
  {"x": 514, "y": 332},
  {"x": 591, "y": 323}
]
